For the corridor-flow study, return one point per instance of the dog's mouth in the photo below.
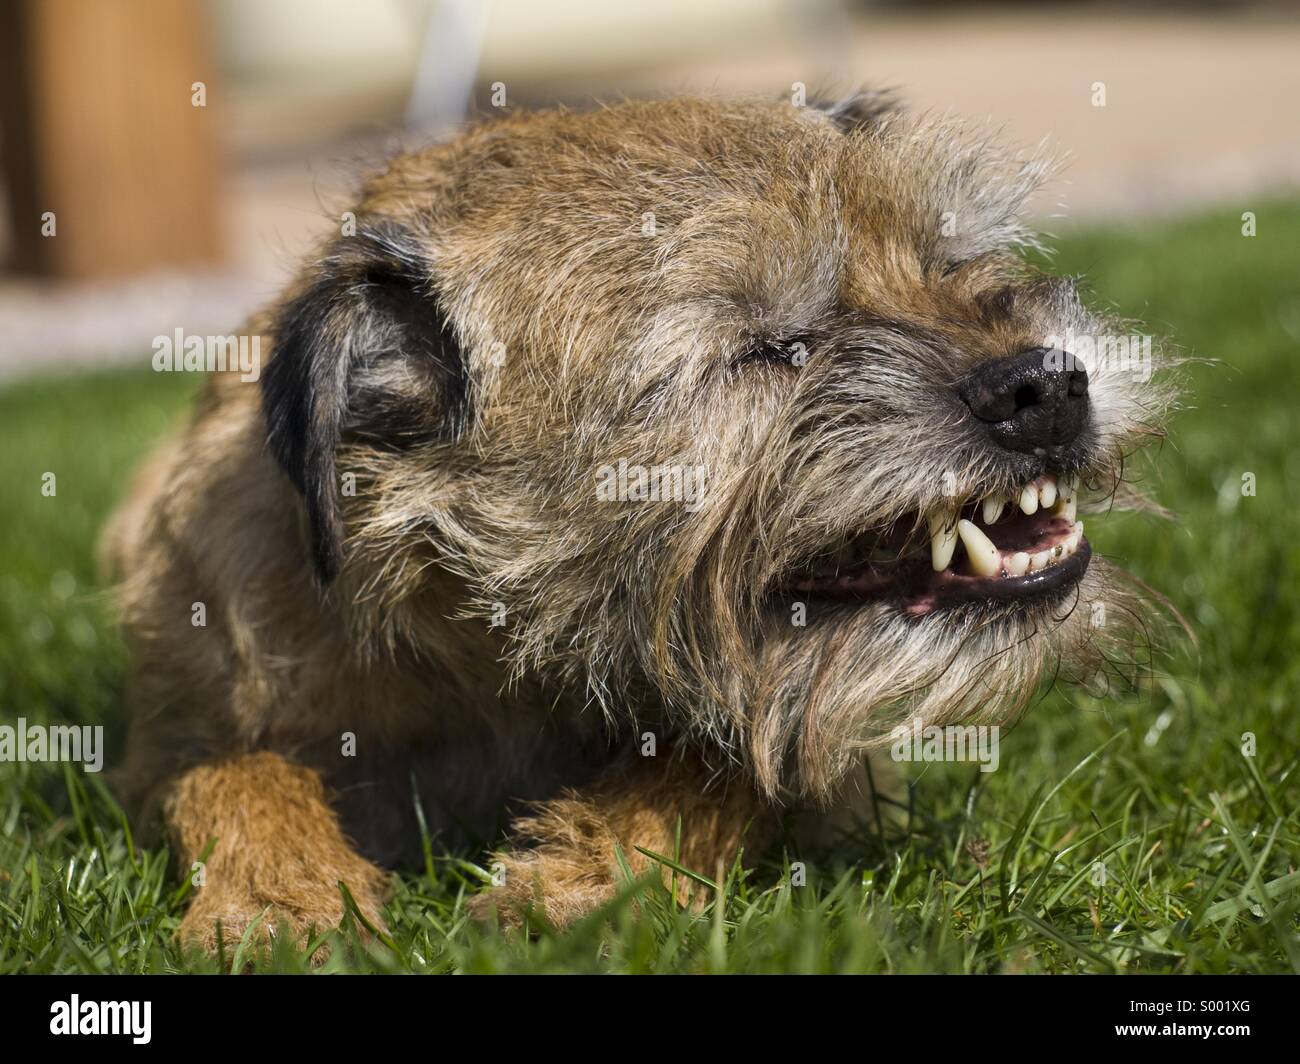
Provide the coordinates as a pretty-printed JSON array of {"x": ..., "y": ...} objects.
[{"x": 998, "y": 549}]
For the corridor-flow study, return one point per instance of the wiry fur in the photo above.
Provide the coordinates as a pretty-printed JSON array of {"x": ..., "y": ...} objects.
[{"x": 502, "y": 326}]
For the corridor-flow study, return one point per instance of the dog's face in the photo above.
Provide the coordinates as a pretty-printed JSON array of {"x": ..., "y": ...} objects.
[{"x": 705, "y": 402}]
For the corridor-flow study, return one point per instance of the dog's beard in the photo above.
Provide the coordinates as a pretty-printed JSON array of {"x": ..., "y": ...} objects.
[
  {"x": 797, "y": 684},
  {"x": 695, "y": 625},
  {"x": 800, "y": 704},
  {"x": 797, "y": 687},
  {"x": 720, "y": 656},
  {"x": 691, "y": 621},
  {"x": 838, "y": 688}
]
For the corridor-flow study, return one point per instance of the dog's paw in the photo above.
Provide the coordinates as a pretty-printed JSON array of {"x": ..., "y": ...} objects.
[
  {"x": 217, "y": 922},
  {"x": 560, "y": 884}
]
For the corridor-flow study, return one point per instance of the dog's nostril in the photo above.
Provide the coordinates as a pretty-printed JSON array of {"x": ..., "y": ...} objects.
[
  {"x": 1027, "y": 403},
  {"x": 1026, "y": 395}
]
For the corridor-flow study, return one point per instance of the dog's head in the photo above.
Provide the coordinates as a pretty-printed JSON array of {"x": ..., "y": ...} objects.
[{"x": 751, "y": 413}]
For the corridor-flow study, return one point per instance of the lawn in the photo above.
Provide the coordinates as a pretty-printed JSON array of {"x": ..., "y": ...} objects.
[{"x": 1118, "y": 835}]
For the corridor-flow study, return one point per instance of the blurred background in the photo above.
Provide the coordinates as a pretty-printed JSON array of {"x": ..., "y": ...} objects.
[{"x": 187, "y": 152}]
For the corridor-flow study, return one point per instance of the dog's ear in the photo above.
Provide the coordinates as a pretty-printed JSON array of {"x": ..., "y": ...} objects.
[
  {"x": 864, "y": 109},
  {"x": 363, "y": 352}
]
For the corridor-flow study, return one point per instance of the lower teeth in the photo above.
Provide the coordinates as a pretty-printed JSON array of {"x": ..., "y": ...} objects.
[
  {"x": 1021, "y": 562},
  {"x": 985, "y": 559}
]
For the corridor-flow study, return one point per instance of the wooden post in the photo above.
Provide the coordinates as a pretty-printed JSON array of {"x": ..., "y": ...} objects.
[{"x": 98, "y": 129}]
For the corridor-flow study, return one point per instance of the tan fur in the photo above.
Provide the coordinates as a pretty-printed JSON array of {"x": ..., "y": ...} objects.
[
  {"x": 568, "y": 863},
  {"x": 544, "y": 295},
  {"x": 280, "y": 854}
]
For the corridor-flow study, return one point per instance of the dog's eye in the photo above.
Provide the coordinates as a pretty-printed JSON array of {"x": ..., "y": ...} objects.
[{"x": 792, "y": 352}]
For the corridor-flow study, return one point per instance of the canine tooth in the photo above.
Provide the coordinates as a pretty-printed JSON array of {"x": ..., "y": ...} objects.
[
  {"x": 1047, "y": 493},
  {"x": 993, "y": 507},
  {"x": 1029, "y": 499},
  {"x": 1018, "y": 564},
  {"x": 943, "y": 541},
  {"x": 984, "y": 556},
  {"x": 1040, "y": 560}
]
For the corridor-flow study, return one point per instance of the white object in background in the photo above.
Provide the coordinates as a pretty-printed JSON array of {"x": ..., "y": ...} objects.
[{"x": 444, "y": 75}]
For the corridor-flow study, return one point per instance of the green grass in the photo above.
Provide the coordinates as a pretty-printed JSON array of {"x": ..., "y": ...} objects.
[{"x": 973, "y": 873}]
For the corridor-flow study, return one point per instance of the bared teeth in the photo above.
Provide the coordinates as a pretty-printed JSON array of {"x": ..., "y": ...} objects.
[
  {"x": 1054, "y": 496},
  {"x": 985, "y": 558},
  {"x": 1067, "y": 503},
  {"x": 1029, "y": 499},
  {"x": 943, "y": 540},
  {"x": 1047, "y": 492},
  {"x": 1018, "y": 564}
]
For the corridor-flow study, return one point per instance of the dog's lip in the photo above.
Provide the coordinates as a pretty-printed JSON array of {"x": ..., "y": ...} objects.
[
  {"x": 915, "y": 586},
  {"x": 956, "y": 588},
  {"x": 980, "y": 551},
  {"x": 905, "y": 575}
]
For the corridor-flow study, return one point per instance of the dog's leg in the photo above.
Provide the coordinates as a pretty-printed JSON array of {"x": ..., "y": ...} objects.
[
  {"x": 278, "y": 851},
  {"x": 564, "y": 862}
]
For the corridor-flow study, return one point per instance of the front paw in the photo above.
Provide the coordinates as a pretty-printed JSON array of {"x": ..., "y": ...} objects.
[
  {"x": 217, "y": 920},
  {"x": 561, "y": 885}
]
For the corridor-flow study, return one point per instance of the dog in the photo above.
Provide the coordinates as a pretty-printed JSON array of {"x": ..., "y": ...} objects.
[{"x": 621, "y": 472}]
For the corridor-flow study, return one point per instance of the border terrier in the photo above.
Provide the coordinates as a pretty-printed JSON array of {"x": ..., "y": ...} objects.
[{"x": 732, "y": 433}]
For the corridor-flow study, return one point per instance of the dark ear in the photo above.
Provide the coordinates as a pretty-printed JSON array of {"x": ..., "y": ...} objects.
[
  {"x": 366, "y": 353},
  {"x": 864, "y": 109}
]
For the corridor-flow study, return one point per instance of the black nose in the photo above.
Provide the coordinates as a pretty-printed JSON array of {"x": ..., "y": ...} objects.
[{"x": 1028, "y": 403}]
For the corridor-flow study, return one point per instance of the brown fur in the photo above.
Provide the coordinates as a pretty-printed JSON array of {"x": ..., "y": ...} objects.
[
  {"x": 502, "y": 324},
  {"x": 565, "y": 857},
  {"x": 280, "y": 853}
]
